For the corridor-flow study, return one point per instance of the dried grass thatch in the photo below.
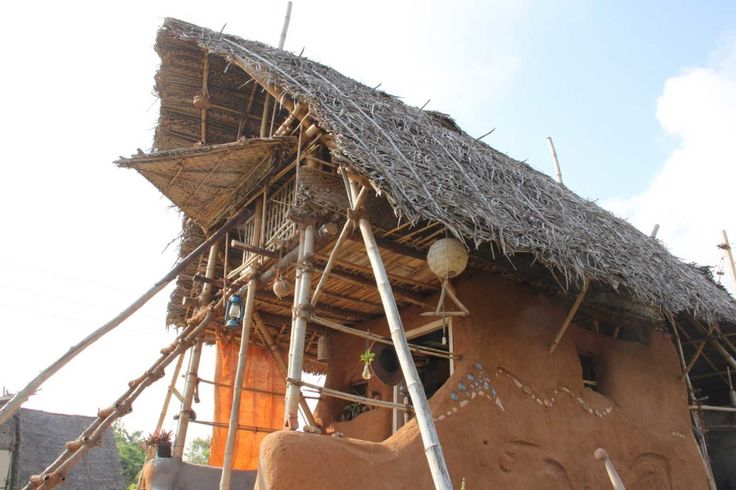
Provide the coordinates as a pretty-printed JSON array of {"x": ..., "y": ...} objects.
[{"x": 429, "y": 169}]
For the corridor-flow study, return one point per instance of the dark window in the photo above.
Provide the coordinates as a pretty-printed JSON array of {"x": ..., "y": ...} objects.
[{"x": 590, "y": 377}]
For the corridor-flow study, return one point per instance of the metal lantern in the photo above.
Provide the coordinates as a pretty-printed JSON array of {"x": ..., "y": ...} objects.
[
  {"x": 447, "y": 258},
  {"x": 234, "y": 311},
  {"x": 324, "y": 347}
]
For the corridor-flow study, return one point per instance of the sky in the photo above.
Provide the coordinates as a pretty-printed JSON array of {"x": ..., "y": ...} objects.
[{"x": 639, "y": 99}]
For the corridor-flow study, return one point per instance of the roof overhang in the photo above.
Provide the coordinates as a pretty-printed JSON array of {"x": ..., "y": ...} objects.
[{"x": 204, "y": 181}]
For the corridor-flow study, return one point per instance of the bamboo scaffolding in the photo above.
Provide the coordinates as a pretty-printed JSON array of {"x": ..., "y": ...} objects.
[
  {"x": 427, "y": 351},
  {"x": 164, "y": 410},
  {"x": 185, "y": 413},
  {"x": 425, "y": 422},
  {"x": 354, "y": 398},
  {"x": 250, "y": 428},
  {"x": 570, "y": 316},
  {"x": 92, "y": 435},
  {"x": 227, "y": 464},
  {"x": 15, "y": 403},
  {"x": 281, "y": 364},
  {"x": 298, "y": 331}
]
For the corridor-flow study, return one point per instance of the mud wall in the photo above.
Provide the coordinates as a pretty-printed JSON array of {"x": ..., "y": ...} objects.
[{"x": 511, "y": 415}]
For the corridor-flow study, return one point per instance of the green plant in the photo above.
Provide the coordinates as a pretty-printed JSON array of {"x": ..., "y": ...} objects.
[
  {"x": 198, "y": 451},
  {"x": 367, "y": 357},
  {"x": 131, "y": 451}
]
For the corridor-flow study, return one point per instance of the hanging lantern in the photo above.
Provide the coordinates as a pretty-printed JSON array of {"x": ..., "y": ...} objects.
[
  {"x": 282, "y": 287},
  {"x": 447, "y": 258},
  {"x": 234, "y": 311},
  {"x": 324, "y": 347}
]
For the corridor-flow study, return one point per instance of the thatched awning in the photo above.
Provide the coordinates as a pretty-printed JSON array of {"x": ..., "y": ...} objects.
[{"x": 203, "y": 181}]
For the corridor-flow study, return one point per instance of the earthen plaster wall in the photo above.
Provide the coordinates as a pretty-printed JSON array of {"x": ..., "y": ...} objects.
[{"x": 511, "y": 415}]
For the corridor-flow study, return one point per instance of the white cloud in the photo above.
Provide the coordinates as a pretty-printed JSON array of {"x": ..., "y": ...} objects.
[{"x": 692, "y": 195}]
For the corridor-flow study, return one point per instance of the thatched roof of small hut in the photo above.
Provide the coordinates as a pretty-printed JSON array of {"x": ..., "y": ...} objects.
[
  {"x": 36, "y": 437},
  {"x": 429, "y": 169}
]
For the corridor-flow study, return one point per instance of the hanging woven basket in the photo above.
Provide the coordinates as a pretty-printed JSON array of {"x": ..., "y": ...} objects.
[{"x": 447, "y": 258}]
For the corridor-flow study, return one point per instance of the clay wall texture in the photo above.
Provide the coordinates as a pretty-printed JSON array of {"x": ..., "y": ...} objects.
[{"x": 522, "y": 418}]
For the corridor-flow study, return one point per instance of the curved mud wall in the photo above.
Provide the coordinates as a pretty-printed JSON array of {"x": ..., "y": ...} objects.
[{"x": 518, "y": 418}]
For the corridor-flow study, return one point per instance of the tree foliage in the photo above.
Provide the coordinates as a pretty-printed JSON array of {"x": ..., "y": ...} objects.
[
  {"x": 132, "y": 453},
  {"x": 198, "y": 451}
]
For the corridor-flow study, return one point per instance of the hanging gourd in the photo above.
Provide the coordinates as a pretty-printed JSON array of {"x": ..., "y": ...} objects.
[
  {"x": 367, "y": 358},
  {"x": 324, "y": 347},
  {"x": 447, "y": 258}
]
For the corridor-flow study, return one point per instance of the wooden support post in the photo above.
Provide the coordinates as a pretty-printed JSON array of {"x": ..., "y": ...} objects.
[
  {"x": 299, "y": 329},
  {"x": 281, "y": 364},
  {"x": 570, "y": 316},
  {"x": 715, "y": 343},
  {"x": 653, "y": 234},
  {"x": 601, "y": 455},
  {"x": 432, "y": 447},
  {"x": 726, "y": 246},
  {"x": 185, "y": 414},
  {"x": 227, "y": 464}
]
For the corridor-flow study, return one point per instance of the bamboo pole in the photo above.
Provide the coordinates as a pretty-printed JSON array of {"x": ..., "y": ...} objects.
[
  {"x": 425, "y": 422},
  {"x": 92, "y": 435},
  {"x": 355, "y": 398},
  {"x": 164, "y": 410},
  {"x": 206, "y": 295},
  {"x": 601, "y": 455},
  {"x": 15, "y": 403},
  {"x": 299, "y": 329},
  {"x": 570, "y": 316},
  {"x": 427, "y": 351},
  {"x": 655, "y": 230},
  {"x": 227, "y": 464},
  {"x": 712, "y": 408},
  {"x": 556, "y": 162},
  {"x": 726, "y": 246},
  {"x": 694, "y": 415},
  {"x": 186, "y": 405},
  {"x": 281, "y": 364}
]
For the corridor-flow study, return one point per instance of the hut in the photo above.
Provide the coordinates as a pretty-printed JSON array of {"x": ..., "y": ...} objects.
[
  {"x": 28, "y": 442},
  {"x": 547, "y": 330}
]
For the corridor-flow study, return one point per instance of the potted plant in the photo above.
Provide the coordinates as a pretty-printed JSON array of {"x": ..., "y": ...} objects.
[
  {"x": 367, "y": 358},
  {"x": 161, "y": 441}
]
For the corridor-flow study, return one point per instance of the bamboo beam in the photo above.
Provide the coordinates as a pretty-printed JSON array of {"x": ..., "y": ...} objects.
[
  {"x": 227, "y": 464},
  {"x": 427, "y": 351},
  {"x": 280, "y": 364},
  {"x": 92, "y": 435},
  {"x": 425, "y": 422},
  {"x": 570, "y": 316},
  {"x": 355, "y": 398},
  {"x": 601, "y": 455},
  {"x": 691, "y": 393},
  {"x": 298, "y": 332},
  {"x": 726, "y": 246},
  {"x": 15, "y": 403},
  {"x": 712, "y": 408},
  {"x": 250, "y": 428},
  {"x": 695, "y": 357},
  {"x": 716, "y": 345},
  {"x": 162, "y": 415},
  {"x": 185, "y": 414},
  {"x": 555, "y": 161},
  {"x": 253, "y": 249}
]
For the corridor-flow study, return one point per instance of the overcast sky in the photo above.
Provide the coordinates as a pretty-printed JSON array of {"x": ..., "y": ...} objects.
[{"x": 641, "y": 103}]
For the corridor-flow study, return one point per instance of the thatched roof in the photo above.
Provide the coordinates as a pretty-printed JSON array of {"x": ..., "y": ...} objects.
[
  {"x": 40, "y": 437},
  {"x": 431, "y": 170}
]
